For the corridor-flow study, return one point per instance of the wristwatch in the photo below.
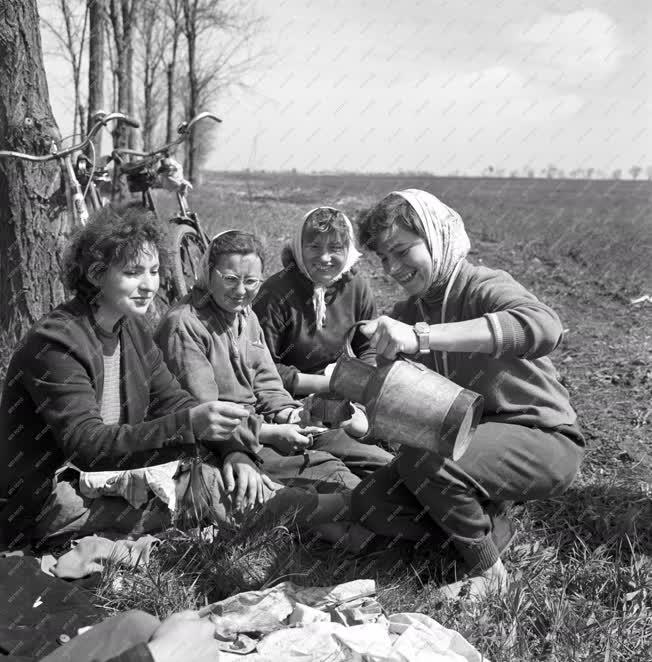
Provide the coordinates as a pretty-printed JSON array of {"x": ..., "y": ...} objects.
[{"x": 422, "y": 331}]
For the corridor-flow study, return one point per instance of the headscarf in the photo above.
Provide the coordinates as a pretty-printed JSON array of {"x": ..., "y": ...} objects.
[
  {"x": 319, "y": 291},
  {"x": 444, "y": 233}
]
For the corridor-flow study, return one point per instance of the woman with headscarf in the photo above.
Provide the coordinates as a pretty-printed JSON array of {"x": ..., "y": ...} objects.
[
  {"x": 213, "y": 343},
  {"x": 486, "y": 332},
  {"x": 306, "y": 310}
]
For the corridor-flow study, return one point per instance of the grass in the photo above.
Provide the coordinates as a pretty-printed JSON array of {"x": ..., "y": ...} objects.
[{"x": 581, "y": 567}]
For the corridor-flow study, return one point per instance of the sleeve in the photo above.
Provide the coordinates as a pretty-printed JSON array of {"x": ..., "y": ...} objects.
[
  {"x": 274, "y": 325},
  {"x": 59, "y": 384},
  {"x": 271, "y": 396},
  {"x": 184, "y": 344},
  {"x": 521, "y": 325},
  {"x": 365, "y": 310}
]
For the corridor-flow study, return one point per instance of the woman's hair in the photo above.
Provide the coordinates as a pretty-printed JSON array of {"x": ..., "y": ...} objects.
[
  {"x": 114, "y": 235},
  {"x": 382, "y": 219},
  {"x": 325, "y": 220},
  {"x": 235, "y": 241}
]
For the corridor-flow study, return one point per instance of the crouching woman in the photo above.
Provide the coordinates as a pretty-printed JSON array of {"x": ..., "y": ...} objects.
[
  {"x": 87, "y": 390},
  {"x": 483, "y": 330}
]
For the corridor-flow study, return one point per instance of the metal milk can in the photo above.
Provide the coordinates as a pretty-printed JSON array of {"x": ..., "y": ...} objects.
[{"x": 407, "y": 403}]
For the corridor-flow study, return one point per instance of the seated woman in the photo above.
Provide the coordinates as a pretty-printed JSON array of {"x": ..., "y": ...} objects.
[
  {"x": 87, "y": 390},
  {"x": 486, "y": 332},
  {"x": 305, "y": 311},
  {"x": 214, "y": 344}
]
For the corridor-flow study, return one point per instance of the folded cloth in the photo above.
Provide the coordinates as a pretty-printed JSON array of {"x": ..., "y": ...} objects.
[
  {"x": 87, "y": 554},
  {"x": 133, "y": 485}
]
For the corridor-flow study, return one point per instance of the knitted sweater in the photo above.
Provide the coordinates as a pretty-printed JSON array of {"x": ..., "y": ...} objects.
[
  {"x": 285, "y": 310},
  {"x": 518, "y": 382},
  {"x": 50, "y": 409},
  {"x": 212, "y": 363}
]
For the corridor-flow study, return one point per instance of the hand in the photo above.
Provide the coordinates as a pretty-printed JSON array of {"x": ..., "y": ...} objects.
[
  {"x": 242, "y": 476},
  {"x": 357, "y": 425},
  {"x": 289, "y": 438},
  {"x": 216, "y": 420},
  {"x": 390, "y": 337},
  {"x": 184, "y": 636}
]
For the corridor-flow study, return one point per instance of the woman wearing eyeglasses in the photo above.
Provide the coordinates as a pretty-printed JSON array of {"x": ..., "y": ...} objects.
[{"x": 213, "y": 343}]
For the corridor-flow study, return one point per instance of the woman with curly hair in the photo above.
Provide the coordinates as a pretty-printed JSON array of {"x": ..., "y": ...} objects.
[{"x": 88, "y": 391}]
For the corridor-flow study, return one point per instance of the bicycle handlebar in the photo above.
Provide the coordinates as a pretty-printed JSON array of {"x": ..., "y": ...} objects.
[
  {"x": 184, "y": 131},
  {"x": 102, "y": 118}
]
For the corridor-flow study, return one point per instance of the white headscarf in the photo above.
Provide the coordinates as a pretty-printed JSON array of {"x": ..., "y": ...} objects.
[
  {"x": 319, "y": 292},
  {"x": 444, "y": 233}
]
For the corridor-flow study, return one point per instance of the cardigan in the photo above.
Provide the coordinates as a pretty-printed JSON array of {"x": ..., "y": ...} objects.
[
  {"x": 518, "y": 382},
  {"x": 197, "y": 340},
  {"x": 285, "y": 310},
  {"x": 50, "y": 409}
]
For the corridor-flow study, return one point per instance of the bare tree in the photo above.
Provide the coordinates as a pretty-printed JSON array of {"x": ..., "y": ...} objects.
[
  {"x": 70, "y": 32},
  {"x": 122, "y": 18},
  {"x": 155, "y": 30},
  {"x": 96, "y": 22},
  {"x": 174, "y": 16},
  {"x": 219, "y": 54},
  {"x": 635, "y": 171},
  {"x": 617, "y": 174},
  {"x": 33, "y": 218}
]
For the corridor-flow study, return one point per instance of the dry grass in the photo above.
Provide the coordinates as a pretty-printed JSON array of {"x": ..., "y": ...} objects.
[{"x": 581, "y": 567}]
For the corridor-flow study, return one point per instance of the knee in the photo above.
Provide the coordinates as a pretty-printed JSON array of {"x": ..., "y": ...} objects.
[
  {"x": 415, "y": 466},
  {"x": 563, "y": 472}
]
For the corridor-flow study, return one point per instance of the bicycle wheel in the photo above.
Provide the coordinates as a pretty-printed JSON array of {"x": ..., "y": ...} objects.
[{"x": 186, "y": 250}]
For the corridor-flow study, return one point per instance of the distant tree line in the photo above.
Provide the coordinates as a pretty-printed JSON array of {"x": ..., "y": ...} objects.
[{"x": 554, "y": 172}]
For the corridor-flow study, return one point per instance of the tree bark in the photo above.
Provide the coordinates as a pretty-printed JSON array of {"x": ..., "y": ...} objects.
[
  {"x": 96, "y": 17},
  {"x": 33, "y": 215}
]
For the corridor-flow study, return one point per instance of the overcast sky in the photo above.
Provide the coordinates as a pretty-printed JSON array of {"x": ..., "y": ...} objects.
[{"x": 436, "y": 85}]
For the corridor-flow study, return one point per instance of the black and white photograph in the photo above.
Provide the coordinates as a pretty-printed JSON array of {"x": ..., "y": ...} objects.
[{"x": 325, "y": 331}]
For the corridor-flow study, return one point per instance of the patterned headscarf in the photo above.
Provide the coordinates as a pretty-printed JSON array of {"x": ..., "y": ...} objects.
[
  {"x": 444, "y": 234},
  {"x": 319, "y": 292}
]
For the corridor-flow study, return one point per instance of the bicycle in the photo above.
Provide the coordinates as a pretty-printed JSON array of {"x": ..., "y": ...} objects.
[
  {"x": 74, "y": 194},
  {"x": 187, "y": 241}
]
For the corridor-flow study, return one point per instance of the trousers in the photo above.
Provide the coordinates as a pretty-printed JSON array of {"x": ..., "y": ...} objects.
[{"x": 422, "y": 495}]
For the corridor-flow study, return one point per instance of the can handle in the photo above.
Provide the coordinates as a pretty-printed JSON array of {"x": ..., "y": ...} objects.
[{"x": 348, "y": 348}]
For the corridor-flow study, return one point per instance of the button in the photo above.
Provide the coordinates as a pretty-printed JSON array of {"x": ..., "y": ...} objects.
[{"x": 63, "y": 639}]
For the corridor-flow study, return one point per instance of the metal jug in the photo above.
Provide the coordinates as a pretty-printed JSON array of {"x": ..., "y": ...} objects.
[{"x": 407, "y": 403}]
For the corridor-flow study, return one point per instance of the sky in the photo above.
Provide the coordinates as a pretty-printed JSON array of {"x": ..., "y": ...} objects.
[{"x": 444, "y": 86}]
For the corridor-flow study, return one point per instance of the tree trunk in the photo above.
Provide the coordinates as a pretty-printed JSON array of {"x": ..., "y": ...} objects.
[
  {"x": 194, "y": 94},
  {"x": 33, "y": 216},
  {"x": 95, "y": 63},
  {"x": 170, "y": 109}
]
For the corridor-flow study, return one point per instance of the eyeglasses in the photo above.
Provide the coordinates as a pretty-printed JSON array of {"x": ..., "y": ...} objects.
[{"x": 232, "y": 281}]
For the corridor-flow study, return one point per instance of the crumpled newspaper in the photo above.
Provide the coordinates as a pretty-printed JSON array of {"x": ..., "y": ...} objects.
[{"x": 329, "y": 624}]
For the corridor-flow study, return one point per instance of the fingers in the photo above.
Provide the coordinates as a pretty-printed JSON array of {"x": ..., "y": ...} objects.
[
  {"x": 242, "y": 487},
  {"x": 227, "y": 474},
  {"x": 300, "y": 441},
  {"x": 369, "y": 329},
  {"x": 251, "y": 495},
  {"x": 231, "y": 410},
  {"x": 269, "y": 483}
]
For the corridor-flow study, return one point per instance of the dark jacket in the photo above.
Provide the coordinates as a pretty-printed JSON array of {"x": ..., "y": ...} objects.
[
  {"x": 50, "y": 410},
  {"x": 286, "y": 314}
]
